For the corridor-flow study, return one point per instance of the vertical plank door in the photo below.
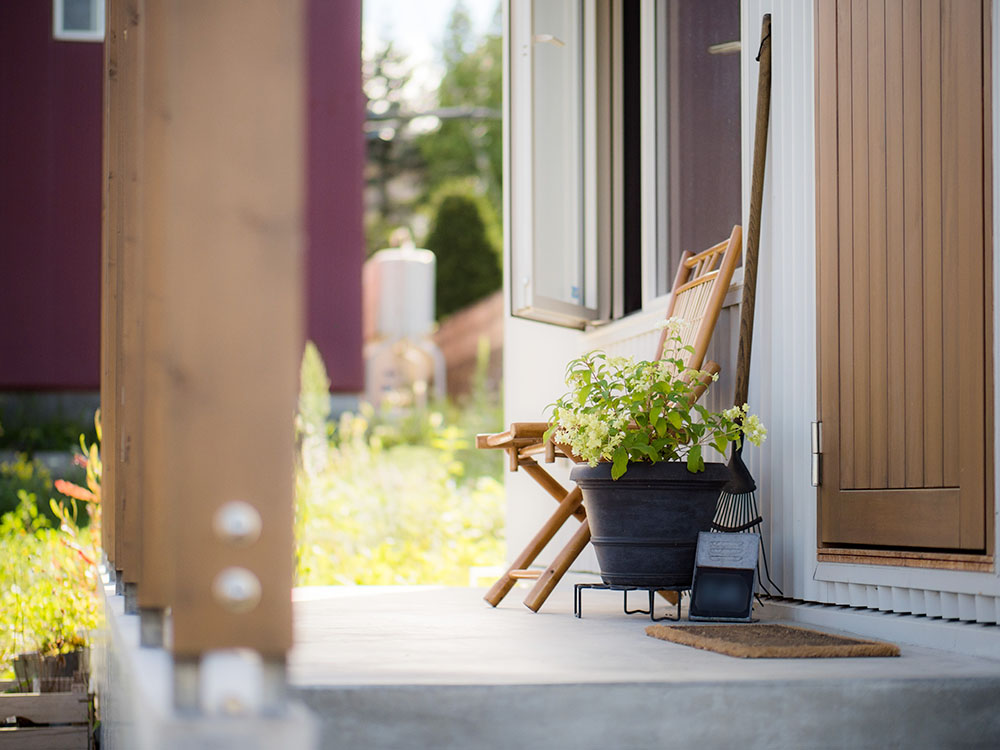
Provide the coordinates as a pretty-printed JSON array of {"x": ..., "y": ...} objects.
[{"x": 903, "y": 216}]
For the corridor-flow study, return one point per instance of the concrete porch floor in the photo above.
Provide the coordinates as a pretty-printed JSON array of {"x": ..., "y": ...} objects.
[{"x": 415, "y": 667}]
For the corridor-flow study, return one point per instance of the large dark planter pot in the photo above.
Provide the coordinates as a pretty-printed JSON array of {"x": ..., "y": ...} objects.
[{"x": 644, "y": 525}]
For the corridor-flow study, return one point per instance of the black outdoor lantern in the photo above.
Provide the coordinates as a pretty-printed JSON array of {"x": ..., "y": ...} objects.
[{"x": 724, "y": 577}]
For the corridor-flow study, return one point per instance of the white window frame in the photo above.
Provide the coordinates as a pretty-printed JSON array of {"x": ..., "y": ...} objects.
[
  {"x": 526, "y": 301},
  {"x": 655, "y": 182},
  {"x": 75, "y": 35}
]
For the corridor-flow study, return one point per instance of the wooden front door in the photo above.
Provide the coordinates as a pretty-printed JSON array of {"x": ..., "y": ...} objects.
[{"x": 904, "y": 272}]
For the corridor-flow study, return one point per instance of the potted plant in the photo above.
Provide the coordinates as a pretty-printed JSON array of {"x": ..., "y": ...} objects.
[{"x": 640, "y": 438}]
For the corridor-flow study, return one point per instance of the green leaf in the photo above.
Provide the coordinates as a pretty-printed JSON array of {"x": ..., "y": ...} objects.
[
  {"x": 619, "y": 462},
  {"x": 675, "y": 420},
  {"x": 695, "y": 462},
  {"x": 646, "y": 451},
  {"x": 721, "y": 444},
  {"x": 661, "y": 426}
]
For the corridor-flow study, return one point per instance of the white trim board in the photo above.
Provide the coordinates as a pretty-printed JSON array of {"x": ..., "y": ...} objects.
[
  {"x": 971, "y": 639},
  {"x": 957, "y": 581}
]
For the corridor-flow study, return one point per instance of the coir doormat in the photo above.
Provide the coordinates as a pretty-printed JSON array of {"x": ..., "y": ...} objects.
[{"x": 770, "y": 641}]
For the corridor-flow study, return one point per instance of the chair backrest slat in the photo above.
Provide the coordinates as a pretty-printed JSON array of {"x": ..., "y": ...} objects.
[{"x": 700, "y": 288}]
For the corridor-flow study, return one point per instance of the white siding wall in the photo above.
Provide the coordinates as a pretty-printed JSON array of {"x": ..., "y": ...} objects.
[
  {"x": 783, "y": 382},
  {"x": 783, "y": 375}
]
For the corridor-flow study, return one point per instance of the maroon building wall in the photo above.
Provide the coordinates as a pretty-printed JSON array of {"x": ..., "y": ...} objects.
[
  {"x": 334, "y": 208},
  {"x": 50, "y": 203},
  {"x": 50, "y": 198}
]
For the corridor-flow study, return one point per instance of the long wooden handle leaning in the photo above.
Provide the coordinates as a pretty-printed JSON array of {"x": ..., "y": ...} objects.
[{"x": 753, "y": 225}]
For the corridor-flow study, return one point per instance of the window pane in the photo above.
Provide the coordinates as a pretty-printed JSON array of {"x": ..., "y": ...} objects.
[
  {"x": 703, "y": 126},
  {"x": 557, "y": 151},
  {"x": 78, "y": 15}
]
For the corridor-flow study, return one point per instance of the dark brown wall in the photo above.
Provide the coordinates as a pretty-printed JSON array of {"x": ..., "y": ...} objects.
[
  {"x": 50, "y": 198},
  {"x": 50, "y": 203}
]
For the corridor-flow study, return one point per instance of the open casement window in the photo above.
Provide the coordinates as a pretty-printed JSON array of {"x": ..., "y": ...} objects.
[
  {"x": 554, "y": 135},
  {"x": 624, "y": 149}
]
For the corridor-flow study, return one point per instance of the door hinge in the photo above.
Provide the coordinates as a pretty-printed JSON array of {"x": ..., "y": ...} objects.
[{"x": 817, "y": 451}]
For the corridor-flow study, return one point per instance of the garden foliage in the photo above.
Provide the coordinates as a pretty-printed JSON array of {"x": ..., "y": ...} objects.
[
  {"x": 57, "y": 433},
  {"x": 22, "y": 474},
  {"x": 393, "y": 498},
  {"x": 48, "y": 584}
]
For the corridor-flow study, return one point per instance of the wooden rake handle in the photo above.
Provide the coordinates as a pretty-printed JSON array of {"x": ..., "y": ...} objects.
[{"x": 753, "y": 226}]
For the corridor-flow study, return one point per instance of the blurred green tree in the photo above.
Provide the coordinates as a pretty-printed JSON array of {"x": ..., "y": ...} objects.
[
  {"x": 469, "y": 145},
  {"x": 391, "y": 153},
  {"x": 468, "y": 259}
]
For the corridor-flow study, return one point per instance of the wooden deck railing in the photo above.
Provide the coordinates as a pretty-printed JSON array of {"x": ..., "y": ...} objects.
[{"x": 204, "y": 131}]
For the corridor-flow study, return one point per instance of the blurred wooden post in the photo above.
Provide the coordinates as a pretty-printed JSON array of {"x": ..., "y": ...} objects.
[
  {"x": 110, "y": 247},
  {"x": 227, "y": 330},
  {"x": 154, "y": 595},
  {"x": 130, "y": 352}
]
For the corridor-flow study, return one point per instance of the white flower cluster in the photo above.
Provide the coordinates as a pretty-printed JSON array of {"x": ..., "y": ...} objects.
[
  {"x": 735, "y": 413},
  {"x": 750, "y": 424},
  {"x": 754, "y": 429},
  {"x": 592, "y": 436}
]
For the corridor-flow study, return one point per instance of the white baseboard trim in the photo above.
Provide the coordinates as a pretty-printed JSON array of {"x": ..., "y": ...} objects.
[{"x": 969, "y": 638}]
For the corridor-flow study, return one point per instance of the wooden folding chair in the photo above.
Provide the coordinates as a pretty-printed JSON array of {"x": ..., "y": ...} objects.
[{"x": 699, "y": 290}]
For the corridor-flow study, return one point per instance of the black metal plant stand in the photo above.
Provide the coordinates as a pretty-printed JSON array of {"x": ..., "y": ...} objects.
[{"x": 578, "y": 598}]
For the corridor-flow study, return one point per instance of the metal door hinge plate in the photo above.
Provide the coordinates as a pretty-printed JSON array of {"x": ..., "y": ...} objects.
[{"x": 817, "y": 451}]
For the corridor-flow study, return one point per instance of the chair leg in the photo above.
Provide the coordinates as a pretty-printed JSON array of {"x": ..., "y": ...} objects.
[
  {"x": 567, "y": 507},
  {"x": 554, "y": 573}
]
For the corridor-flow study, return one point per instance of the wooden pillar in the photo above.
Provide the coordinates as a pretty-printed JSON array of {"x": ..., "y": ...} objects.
[
  {"x": 225, "y": 239},
  {"x": 121, "y": 295},
  {"x": 155, "y": 588},
  {"x": 129, "y": 409},
  {"x": 110, "y": 234}
]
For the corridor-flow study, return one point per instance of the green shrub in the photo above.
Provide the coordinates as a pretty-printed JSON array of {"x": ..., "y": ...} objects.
[
  {"x": 23, "y": 474},
  {"x": 468, "y": 257},
  {"x": 53, "y": 434},
  {"x": 48, "y": 600},
  {"x": 48, "y": 583},
  {"x": 32, "y": 476}
]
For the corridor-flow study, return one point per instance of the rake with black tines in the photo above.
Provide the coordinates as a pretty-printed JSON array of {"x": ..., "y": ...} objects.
[{"x": 737, "y": 509}]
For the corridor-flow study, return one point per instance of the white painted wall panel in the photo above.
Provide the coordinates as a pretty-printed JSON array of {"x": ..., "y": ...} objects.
[{"x": 783, "y": 375}]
